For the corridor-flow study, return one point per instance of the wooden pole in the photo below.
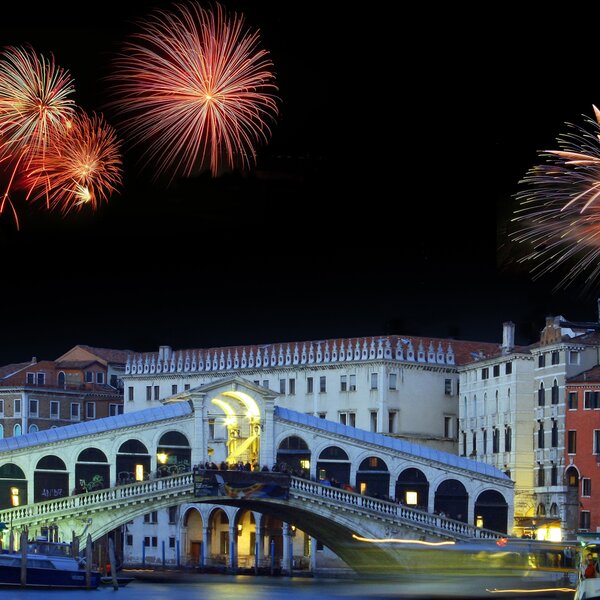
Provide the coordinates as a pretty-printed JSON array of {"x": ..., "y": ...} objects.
[
  {"x": 74, "y": 546},
  {"x": 23, "y": 558},
  {"x": 113, "y": 563},
  {"x": 88, "y": 561}
]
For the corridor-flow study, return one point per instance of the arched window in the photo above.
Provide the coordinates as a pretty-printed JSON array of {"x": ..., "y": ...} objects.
[
  {"x": 17, "y": 430},
  {"x": 555, "y": 392},
  {"x": 61, "y": 379},
  {"x": 541, "y": 395},
  {"x": 33, "y": 428}
]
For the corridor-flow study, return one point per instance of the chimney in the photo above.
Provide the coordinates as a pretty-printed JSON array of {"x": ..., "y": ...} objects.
[{"x": 508, "y": 337}]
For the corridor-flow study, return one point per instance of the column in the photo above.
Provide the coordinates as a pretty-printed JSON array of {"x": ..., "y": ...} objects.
[
  {"x": 313, "y": 555},
  {"x": 233, "y": 545},
  {"x": 200, "y": 435},
  {"x": 206, "y": 542},
  {"x": 288, "y": 549},
  {"x": 259, "y": 551}
]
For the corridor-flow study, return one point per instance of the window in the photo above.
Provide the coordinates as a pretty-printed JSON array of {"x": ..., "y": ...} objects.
[
  {"x": 554, "y": 393},
  {"x": 75, "y": 409},
  {"x": 148, "y": 393},
  {"x": 573, "y": 358},
  {"x": 541, "y": 395},
  {"x": 171, "y": 542},
  {"x": 90, "y": 410},
  {"x": 62, "y": 378},
  {"x": 115, "y": 409},
  {"x": 99, "y": 377},
  {"x": 266, "y": 383},
  {"x": 374, "y": 381},
  {"x": 448, "y": 427},
  {"x": 54, "y": 409},
  {"x": 344, "y": 418},
  {"x": 496, "y": 370},
  {"x": 352, "y": 383},
  {"x": 596, "y": 441},
  {"x": 586, "y": 486},
  {"x": 584, "y": 519},
  {"x": 495, "y": 440},
  {"x": 572, "y": 442},
  {"x": 554, "y": 437},
  {"x": 464, "y": 444},
  {"x": 591, "y": 399},
  {"x": 485, "y": 373},
  {"x": 186, "y": 387},
  {"x": 156, "y": 392},
  {"x": 172, "y": 514},
  {"x": 322, "y": 384},
  {"x": 211, "y": 429},
  {"x": 309, "y": 385},
  {"x": 151, "y": 517},
  {"x": 541, "y": 477},
  {"x": 89, "y": 377},
  {"x": 173, "y": 389},
  {"x": 282, "y": 386},
  {"x": 373, "y": 420},
  {"x": 31, "y": 378},
  {"x": 474, "y": 443},
  {"x": 343, "y": 383},
  {"x": 256, "y": 382},
  {"x": 17, "y": 407},
  {"x": 322, "y": 415},
  {"x": 348, "y": 418},
  {"x": 541, "y": 361},
  {"x": 392, "y": 421},
  {"x": 484, "y": 441},
  {"x": 572, "y": 400},
  {"x": 541, "y": 435},
  {"x": 129, "y": 539},
  {"x": 33, "y": 428},
  {"x": 392, "y": 381},
  {"x": 33, "y": 408},
  {"x": 151, "y": 541},
  {"x": 1, "y": 408},
  {"x": 507, "y": 439},
  {"x": 448, "y": 387},
  {"x": 292, "y": 386},
  {"x": 508, "y": 368},
  {"x": 130, "y": 393},
  {"x": 554, "y": 475},
  {"x": 555, "y": 357},
  {"x": 17, "y": 430}
]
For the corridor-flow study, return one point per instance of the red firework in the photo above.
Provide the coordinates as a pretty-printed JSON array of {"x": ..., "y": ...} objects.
[
  {"x": 81, "y": 168},
  {"x": 196, "y": 88}
]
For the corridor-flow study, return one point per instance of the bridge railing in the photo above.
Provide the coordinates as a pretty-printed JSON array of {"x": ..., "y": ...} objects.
[
  {"x": 397, "y": 511},
  {"x": 97, "y": 498}
]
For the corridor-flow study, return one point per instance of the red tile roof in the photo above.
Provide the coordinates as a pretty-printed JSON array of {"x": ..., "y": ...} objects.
[
  {"x": 8, "y": 370},
  {"x": 590, "y": 376}
]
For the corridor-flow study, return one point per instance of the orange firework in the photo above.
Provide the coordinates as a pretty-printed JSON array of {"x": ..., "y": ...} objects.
[
  {"x": 81, "y": 168},
  {"x": 34, "y": 108},
  {"x": 195, "y": 87}
]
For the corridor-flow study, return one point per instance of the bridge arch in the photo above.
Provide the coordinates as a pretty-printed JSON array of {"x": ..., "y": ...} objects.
[
  {"x": 333, "y": 463},
  {"x": 452, "y": 499},
  {"x": 373, "y": 477},
  {"x": 12, "y": 476},
  {"x": 173, "y": 453},
  {"x": 491, "y": 511},
  {"x": 133, "y": 461},
  {"x": 50, "y": 479},
  {"x": 294, "y": 452},
  {"x": 92, "y": 471},
  {"x": 412, "y": 488},
  {"x": 192, "y": 529}
]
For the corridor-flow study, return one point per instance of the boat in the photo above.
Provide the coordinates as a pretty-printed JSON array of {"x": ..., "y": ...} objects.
[
  {"x": 49, "y": 565},
  {"x": 588, "y": 587}
]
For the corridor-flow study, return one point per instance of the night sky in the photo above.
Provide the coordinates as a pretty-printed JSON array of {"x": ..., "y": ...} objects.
[{"x": 381, "y": 204}]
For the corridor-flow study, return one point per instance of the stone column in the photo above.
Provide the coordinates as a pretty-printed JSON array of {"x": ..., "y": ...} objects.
[
  {"x": 199, "y": 441},
  {"x": 233, "y": 545},
  {"x": 259, "y": 551},
  {"x": 313, "y": 554},
  {"x": 206, "y": 541},
  {"x": 288, "y": 549},
  {"x": 267, "y": 452}
]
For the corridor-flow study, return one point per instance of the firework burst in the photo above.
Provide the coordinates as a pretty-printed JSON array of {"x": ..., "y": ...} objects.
[
  {"x": 81, "y": 168},
  {"x": 196, "y": 89},
  {"x": 559, "y": 213}
]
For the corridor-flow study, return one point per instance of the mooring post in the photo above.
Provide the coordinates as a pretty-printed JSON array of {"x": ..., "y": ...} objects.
[
  {"x": 88, "y": 561},
  {"x": 23, "y": 558},
  {"x": 112, "y": 563}
]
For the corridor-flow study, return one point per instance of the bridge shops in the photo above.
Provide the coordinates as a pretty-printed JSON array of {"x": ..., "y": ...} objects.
[{"x": 138, "y": 474}]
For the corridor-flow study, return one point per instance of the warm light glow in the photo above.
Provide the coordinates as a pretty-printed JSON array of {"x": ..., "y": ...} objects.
[
  {"x": 305, "y": 464},
  {"x": 552, "y": 533},
  {"x": 239, "y": 528},
  {"x": 230, "y": 419},
  {"x": 252, "y": 409},
  {"x": 14, "y": 496},
  {"x": 411, "y": 498},
  {"x": 401, "y": 541},
  {"x": 479, "y": 521},
  {"x": 162, "y": 457},
  {"x": 530, "y": 591},
  {"x": 139, "y": 472},
  {"x": 363, "y": 487}
]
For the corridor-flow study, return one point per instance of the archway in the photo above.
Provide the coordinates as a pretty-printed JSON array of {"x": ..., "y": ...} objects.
[
  {"x": 294, "y": 453},
  {"x": 133, "y": 462},
  {"x": 174, "y": 454},
  {"x": 373, "y": 478},
  {"x": 192, "y": 529},
  {"x": 491, "y": 511},
  {"x": 92, "y": 470},
  {"x": 333, "y": 464},
  {"x": 412, "y": 488},
  {"x": 50, "y": 479},
  {"x": 451, "y": 498},
  {"x": 13, "y": 486}
]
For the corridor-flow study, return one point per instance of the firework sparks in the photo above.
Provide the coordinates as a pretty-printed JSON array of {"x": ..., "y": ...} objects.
[
  {"x": 559, "y": 214},
  {"x": 195, "y": 87},
  {"x": 35, "y": 108},
  {"x": 83, "y": 167}
]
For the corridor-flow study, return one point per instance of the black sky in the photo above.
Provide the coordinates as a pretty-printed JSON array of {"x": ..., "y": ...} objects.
[{"x": 379, "y": 206}]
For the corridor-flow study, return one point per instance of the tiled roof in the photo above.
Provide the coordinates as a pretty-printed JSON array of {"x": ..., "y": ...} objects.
[
  {"x": 8, "y": 370},
  {"x": 76, "y": 364},
  {"x": 108, "y": 354},
  {"x": 390, "y": 442},
  {"x": 86, "y": 428}
]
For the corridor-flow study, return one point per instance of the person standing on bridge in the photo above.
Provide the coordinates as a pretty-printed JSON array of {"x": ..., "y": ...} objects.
[{"x": 591, "y": 569}]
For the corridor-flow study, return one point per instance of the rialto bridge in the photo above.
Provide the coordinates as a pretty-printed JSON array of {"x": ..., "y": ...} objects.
[{"x": 346, "y": 485}]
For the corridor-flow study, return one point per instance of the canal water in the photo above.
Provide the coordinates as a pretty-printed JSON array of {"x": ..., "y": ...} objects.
[{"x": 230, "y": 587}]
